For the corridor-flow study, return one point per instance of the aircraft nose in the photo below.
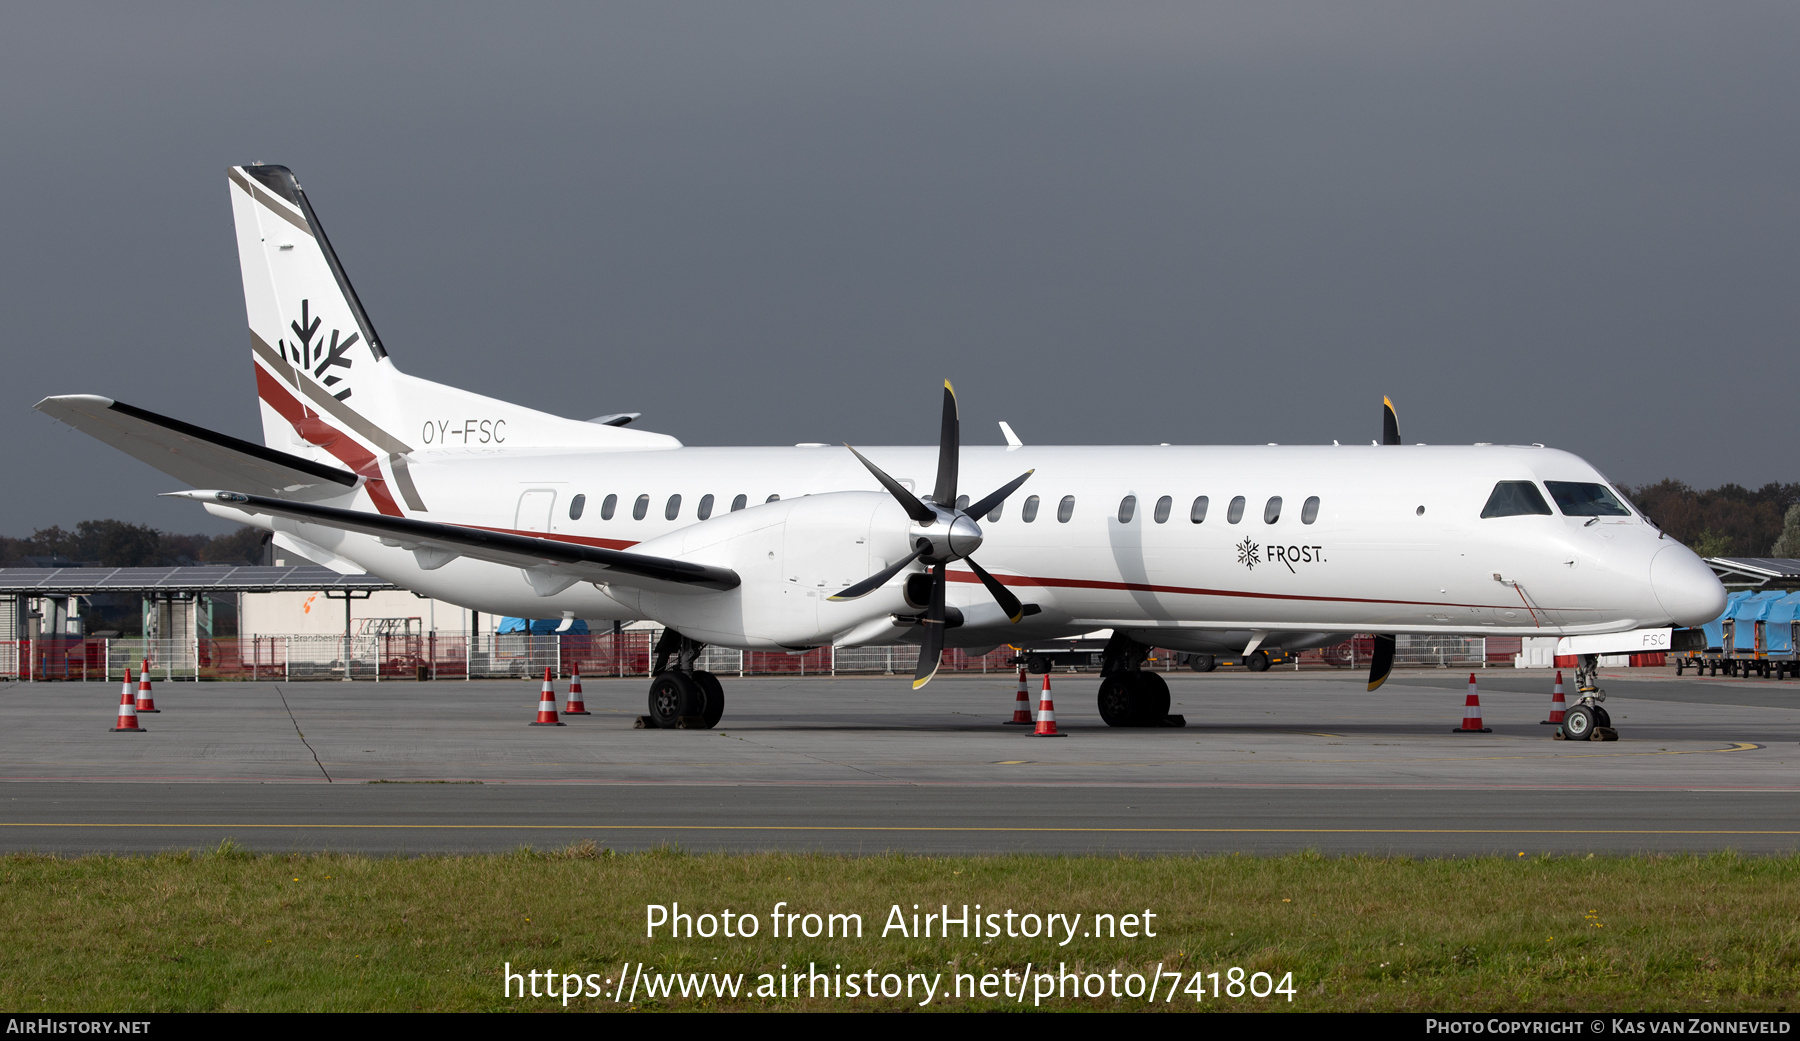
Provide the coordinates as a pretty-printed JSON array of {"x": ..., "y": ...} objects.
[{"x": 1686, "y": 587}]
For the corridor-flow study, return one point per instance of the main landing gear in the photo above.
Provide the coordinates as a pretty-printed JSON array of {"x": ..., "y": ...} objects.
[
  {"x": 681, "y": 696},
  {"x": 1587, "y": 719},
  {"x": 1129, "y": 696}
]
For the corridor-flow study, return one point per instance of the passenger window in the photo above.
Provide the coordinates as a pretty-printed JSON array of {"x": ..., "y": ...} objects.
[
  {"x": 1272, "y": 510},
  {"x": 576, "y": 505},
  {"x": 1127, "y": 508},
  {"x": 1515, "y": 499},
  {"x": 1162, "y": 509},
  {"x": 1235, "y": 512},
  {"x": 773, "y": 498},
  {"x": 1309, "y": 512},
  {"x": 739, "y": 503},
  {"x": 1065, "y": 509},
  {"x": 1028, "y": 512},
  {"x": 1586, "y": 500},
  {"x": 673, "y": 509},
  {"x": 1197, "y": 512},
  {"x": 609, "y": 506},
  {"x": 962, "y": 502},
  {"x": 705, "y": 509},
  {"x": 994, "y": 514},
  {"x": 640, "y": 507}
]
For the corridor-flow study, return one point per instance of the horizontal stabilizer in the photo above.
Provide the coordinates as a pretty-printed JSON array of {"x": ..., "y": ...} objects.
[
  {"x": 547, "y": 562},
  {"x": 197, "y": 456}
]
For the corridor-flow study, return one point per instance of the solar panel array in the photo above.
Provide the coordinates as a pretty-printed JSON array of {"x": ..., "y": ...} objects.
[{"x": 167, "y": 580}]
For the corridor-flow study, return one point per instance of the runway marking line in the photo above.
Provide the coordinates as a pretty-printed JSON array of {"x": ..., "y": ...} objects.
[
  {"x": 1736, "y": 746},
  {"x": 875, "y": 828}
]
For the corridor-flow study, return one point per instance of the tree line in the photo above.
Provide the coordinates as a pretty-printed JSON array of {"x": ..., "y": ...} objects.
[
  {"x": 1727, "y": 521},
  {"x": 114, "y": 543}
]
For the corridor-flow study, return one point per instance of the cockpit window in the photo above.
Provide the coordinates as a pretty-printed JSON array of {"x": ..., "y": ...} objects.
[
  {"x": 1514, "y": 499},
  {"x": 1586, "y": 500}
]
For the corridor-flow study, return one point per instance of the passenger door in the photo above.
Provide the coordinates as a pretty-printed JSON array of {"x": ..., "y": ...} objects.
[{"x": 534, "y": 511}]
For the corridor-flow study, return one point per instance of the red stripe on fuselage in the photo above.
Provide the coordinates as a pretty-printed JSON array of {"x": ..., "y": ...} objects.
[
  {"x": 1055, "y": 583},
  {"x": 1140, "y": 587},
  {"x": 311, "y": 426}
]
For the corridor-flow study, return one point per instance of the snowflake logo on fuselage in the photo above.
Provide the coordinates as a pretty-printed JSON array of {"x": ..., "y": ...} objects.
[{"x": 1249, "y": 554}]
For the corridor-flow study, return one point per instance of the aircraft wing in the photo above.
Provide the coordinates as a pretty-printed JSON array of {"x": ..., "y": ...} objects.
[
  {"x": 197, "y": 456},
  {"x": 551, "y": 566}
]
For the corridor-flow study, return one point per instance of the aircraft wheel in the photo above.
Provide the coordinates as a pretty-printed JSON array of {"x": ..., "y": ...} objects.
[
  {"x": 1037, "y": 664},
  {"x": 1118, "y": 700},
  {"x": 672, "y": 696},
  {"x": 715, "y": 697},
  {"x": 1202, "y": 662},
  {"x": 1152, "y": 700},
  {"x": 1578, "y": 723},
  {"x": 1258, "y": 662},
  {"x": 1602, "y": 718}
]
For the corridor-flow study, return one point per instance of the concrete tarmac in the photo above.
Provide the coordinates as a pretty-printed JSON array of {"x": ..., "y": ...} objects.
[{"x": 1268, "y": 763}]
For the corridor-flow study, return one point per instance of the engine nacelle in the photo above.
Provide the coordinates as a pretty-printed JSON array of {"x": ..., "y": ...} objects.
[{"x": 791, "y": 555}]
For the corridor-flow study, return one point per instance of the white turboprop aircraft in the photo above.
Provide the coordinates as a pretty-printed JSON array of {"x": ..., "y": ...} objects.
[{"x": 504, "y": 509}]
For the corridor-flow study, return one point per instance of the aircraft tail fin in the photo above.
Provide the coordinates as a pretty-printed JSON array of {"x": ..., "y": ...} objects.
[{"x": 327, "y": 385}]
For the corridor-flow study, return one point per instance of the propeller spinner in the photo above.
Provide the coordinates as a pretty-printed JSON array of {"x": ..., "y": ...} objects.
[{"x": 940, "y": 533}]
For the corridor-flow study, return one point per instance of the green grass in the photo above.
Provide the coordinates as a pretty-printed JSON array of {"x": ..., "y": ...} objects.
[{"x": 233, "y": 931}]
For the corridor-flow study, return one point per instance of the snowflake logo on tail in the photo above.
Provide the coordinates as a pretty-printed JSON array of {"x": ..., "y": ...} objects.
[
  {"x": 318, "y": 356},
  {"x": 1249, "y": 554}
]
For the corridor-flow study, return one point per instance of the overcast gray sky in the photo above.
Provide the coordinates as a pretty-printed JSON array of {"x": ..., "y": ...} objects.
[{"x": 764, "y": 223}]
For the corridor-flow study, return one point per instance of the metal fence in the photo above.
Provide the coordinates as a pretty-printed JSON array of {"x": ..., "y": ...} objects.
[
  {"x": 440, "y": 656},
  {"x": 454, "y": 656}
]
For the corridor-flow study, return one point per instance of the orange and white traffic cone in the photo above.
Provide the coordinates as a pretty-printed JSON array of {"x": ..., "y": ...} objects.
[
  {"x": 1557, "y": 705},
  {"x": 1471, "y": 723},
  {"x": 127, "y": 709},
  {"x": 1021, "y": 705},
  {"x": 1046, "y": 721},
  {"x": 146, "y": 701},
  {"x": 574, "y": 706},
  {"x": 547, "y": 705}
]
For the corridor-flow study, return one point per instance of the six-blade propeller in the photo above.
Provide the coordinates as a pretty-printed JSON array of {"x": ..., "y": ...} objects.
[{"x": 940, "y": 533}]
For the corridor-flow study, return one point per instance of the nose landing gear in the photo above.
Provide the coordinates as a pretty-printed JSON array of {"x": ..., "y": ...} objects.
[
  {"x": 681, "y": 696},
  {"x": 1587, "y": 719}
]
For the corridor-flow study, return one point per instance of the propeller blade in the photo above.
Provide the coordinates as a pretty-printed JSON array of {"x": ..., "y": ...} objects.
[
  {"x": 949, "y": 450},
  {"x": 908, "y": 501},
  {"x": 1383, "y": 662},
  {"x": 933, "y": 646},
  {"x": 986, "y": 506},
  {"x": 1390, "y": 425},
  {"x": 876, "y": 581},
  {"x": 1002, "y": 595}
]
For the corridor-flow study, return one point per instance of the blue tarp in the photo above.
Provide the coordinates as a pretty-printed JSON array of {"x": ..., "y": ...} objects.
[
  {"x": 1715, "y": 629},
  {"x": 1778, "y": 621},
  {"x": 1746, "y": 613},
  {"x": 541, "y": 626}
]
